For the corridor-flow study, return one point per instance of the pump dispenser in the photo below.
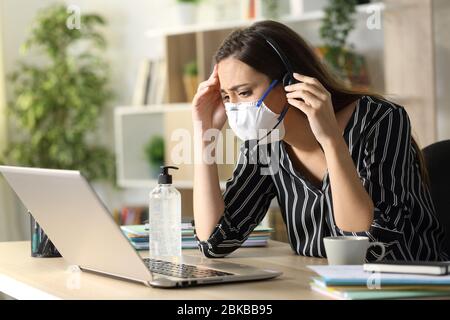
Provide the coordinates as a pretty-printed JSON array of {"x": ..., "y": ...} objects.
[
  {"x": 164, "y": 177},
  {"x": 165, "y": 218}
]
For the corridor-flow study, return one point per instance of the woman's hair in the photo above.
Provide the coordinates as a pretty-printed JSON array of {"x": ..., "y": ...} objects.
[{"x": 249, "y": 46}]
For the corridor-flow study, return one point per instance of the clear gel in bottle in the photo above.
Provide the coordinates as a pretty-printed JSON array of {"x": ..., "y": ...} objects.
[{"x": 165, "y": 219}]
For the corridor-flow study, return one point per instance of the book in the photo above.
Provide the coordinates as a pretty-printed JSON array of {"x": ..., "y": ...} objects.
[
  {"x": 157, "y": 82},
  {"x": 365, "y": 294},
  {"x": 141, "y": 231},
  {"x": 142, "y": 84},
  {"x": 351, "y": 282},
  {"x": 138, "y": 235},
  {"x": 317, "y": 281},
  {"x": 151, "y": 99},
  {"x": 414, "y": 267},
  {"x": 354, "y": 275},
  {"x": 193, "y": 244},
  {"x": 161, "y": 78},
  {"x": 130, "y": 215}
]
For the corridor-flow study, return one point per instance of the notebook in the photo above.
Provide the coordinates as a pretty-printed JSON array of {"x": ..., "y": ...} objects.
[
  {"x": 416, "y": 267},
  {"x": 351, "y": 282},
  {"x": 139, "y": 236},
  {"x": 355, "y": 275},
  {"x": 387, "y": 292}
]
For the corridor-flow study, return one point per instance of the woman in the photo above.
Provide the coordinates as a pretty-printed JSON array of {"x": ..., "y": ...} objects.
[{"x": 347, "y": 162}]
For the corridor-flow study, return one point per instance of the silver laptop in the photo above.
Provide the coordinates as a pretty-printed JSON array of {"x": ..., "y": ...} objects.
[{"x": 86, "y": 235}]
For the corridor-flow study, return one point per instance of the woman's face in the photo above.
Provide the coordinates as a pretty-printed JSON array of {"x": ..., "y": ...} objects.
[{"x": 241, "y": 83}]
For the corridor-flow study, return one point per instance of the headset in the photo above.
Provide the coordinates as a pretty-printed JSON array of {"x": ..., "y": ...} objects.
[{"x": 288, "y": 78}]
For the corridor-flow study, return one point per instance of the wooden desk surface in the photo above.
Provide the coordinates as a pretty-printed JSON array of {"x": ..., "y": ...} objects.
[{"x": 24, "y": 277}]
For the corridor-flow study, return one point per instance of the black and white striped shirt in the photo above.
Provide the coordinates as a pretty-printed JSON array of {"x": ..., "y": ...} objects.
[{"x": 378, "y": 136}]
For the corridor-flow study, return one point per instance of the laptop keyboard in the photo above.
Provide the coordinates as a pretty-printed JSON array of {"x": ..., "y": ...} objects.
[{"x": 181, "y": 270}]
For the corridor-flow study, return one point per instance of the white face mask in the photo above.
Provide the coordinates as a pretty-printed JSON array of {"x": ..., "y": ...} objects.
[{"x": 254, "y": 120}]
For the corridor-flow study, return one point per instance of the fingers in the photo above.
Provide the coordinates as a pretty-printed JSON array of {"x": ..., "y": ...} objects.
[
  {"x": 310, "y": 99},
  {"x": 307, "y": 79},
  {"x": 306, "y": 109},
  {"x": 304, "y": 80},
  {"x": 293, "y": 87},
  {"x": 214, "y": 73},
  {"x": 205, "y": 87},
  {"x": 201, "y": 92},
  {"x": 206, "y": 90},
  {"x": 307, "y": 88},
  {"x": 310, "y": 90},
  {"x": 207, "y": 83},
  {"x": 212, "y": 80}
]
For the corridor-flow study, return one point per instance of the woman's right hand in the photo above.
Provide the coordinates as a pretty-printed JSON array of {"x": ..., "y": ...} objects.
[{"x": 207, "y": 105}]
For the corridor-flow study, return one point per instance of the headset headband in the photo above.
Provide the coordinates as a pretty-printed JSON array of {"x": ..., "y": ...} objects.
[{"x": 279, "y": 52}]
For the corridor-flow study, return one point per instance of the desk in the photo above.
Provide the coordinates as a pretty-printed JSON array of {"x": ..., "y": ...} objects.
[{"x": 24, "y": 277}]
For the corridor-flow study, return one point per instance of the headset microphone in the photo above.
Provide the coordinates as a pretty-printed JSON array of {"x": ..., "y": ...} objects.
[{"x": 288, "y": 78}]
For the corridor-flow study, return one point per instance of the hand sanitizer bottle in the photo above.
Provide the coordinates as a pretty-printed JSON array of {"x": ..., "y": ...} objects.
[{"x": 165, "y": 219}]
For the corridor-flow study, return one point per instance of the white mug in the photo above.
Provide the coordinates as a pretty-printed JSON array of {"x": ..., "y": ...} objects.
[{"x": 349, "y": 249}]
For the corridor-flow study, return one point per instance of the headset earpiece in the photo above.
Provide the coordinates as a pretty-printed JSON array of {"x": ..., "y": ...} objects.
[{"x": 289, "y": 79}]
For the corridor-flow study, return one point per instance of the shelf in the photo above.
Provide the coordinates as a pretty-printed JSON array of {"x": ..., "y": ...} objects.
[
  {"x": 306, "y": 17},
  {"x": 135, "y": 125},
  {"x": 151, "y": 183},
  {"x": 149, "y": 109}
]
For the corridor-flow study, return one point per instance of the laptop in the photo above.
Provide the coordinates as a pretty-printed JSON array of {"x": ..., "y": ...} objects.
[{"x": 86, "y": 235}]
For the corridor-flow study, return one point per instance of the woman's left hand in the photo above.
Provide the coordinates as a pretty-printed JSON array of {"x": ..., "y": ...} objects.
[{"x": 317, "y": 106}]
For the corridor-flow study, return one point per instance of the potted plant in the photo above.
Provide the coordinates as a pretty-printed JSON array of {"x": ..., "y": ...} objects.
[
  {"x": 154, "y": 151},
  {"x": 270, "y": 9},
  {"x": 57, "y": 102},
  {"x": 190, "y": 79},
  {"x": 187, "y": 11},
  {"x": 338, "y": 22}
]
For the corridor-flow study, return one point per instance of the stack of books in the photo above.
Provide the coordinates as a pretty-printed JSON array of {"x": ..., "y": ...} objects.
[
  {"x": 139, "y": 236},
  {"x": 130, "y": 215},
  {"x": 353, "y": 283},
  {"x": 150, "y": 85}
]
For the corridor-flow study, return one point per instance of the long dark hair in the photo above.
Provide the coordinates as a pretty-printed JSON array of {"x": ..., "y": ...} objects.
[{"x": 249, "y": 46}]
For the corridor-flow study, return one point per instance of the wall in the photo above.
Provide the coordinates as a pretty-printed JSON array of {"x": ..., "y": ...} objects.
[
  {"x": 128, "y": 45},
  {"x": 6, "y": 199},
  {"x": 368, "y": 42},
  {"x": 441, "y": 14}
]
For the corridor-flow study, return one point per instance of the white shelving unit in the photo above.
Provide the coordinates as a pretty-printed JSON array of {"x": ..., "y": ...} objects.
[
  {"x": 136, "y": 124},
  {"x": 182, "y": 44},
  {"x": 306, "y": 17}
]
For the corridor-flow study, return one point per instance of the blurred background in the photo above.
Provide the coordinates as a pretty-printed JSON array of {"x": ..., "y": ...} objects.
[{"x": 101, "y": 85}]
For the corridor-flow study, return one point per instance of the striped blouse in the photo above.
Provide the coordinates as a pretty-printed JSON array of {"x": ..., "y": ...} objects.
[{"x": 379, "y": 140}]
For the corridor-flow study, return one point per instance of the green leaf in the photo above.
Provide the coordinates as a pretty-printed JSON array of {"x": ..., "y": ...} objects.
[{"x": 56, "y": 102}]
